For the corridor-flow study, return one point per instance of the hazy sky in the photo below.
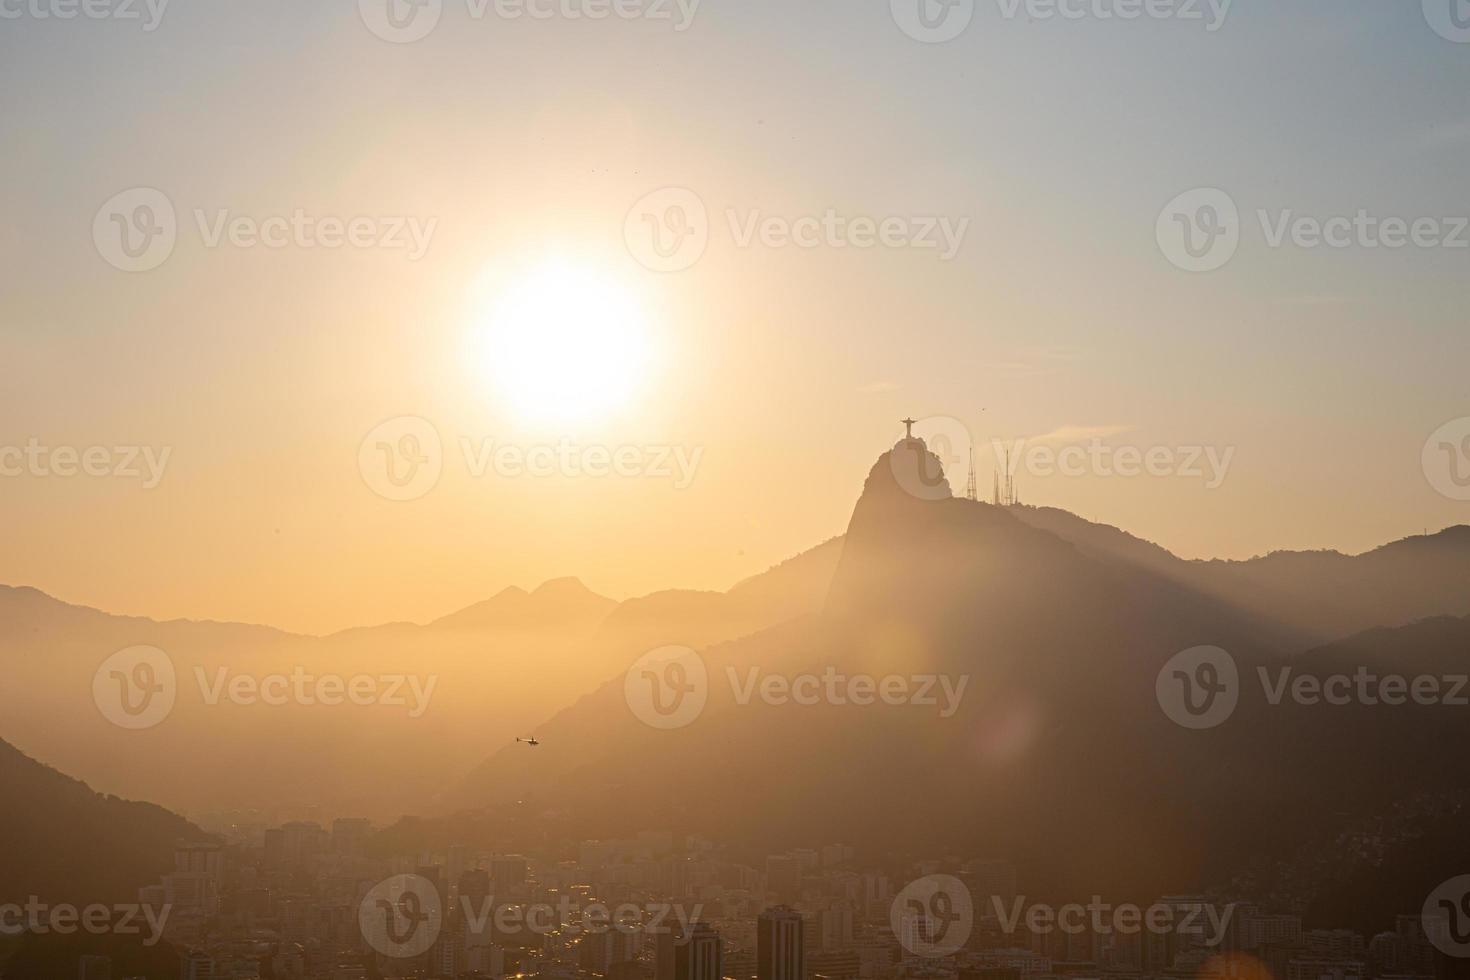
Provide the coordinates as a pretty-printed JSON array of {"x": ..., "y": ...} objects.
[{"x": 524, "y": 143}]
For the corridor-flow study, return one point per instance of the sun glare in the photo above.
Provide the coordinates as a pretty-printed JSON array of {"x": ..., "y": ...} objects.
[{"x": 564, "y": 344}]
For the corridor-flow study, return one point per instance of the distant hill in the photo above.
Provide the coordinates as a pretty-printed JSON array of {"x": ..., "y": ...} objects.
[
  {"x": 498, "y": 669},
  {"x": 66, "y": 843},
  {"x": 1309, "y": 596}
]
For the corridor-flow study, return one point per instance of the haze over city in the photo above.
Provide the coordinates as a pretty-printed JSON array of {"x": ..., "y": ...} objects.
[{"x": 712, "y": 490}]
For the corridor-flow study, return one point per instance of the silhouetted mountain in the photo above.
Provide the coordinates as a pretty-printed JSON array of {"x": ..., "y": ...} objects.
[
  {"x": 563, "y": 601},
  {"x": 1059, "y": 755},
  {"x": 496, "y": 668},
  {"x": 66, "y": 843},
  {"x": 1312, "y": 596},
  {"x": 1371, "y": 803}
]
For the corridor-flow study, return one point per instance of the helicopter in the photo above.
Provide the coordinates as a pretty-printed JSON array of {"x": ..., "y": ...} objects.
[{"x": 533, "y": 741}]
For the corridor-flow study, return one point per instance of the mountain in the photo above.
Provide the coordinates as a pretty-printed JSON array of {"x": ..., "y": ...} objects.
[
  {"x": 66, "y": 843},
  {"x": 485, "y": 674},
  {"x": 1057, "y": 754},
  {"x": 564, "y": 601},
  {"x": 1310, "y": 597}
]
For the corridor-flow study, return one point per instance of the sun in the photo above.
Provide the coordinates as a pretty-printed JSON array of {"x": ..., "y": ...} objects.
[{"x": 563, "y": 344}]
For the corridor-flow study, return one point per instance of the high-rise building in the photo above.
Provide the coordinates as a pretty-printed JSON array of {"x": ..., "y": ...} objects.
[
  {"x": 509, "y": 872},
  {"x": 779, "y": 951},
  {"x": 599, "y": 951},
  {"x": 447, "y": 956},
  {"x": 696, "y": 956},
  {"x": 474, "y": 908}
]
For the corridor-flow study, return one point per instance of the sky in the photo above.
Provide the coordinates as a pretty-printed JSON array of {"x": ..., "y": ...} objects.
[{"x": 746, "y": 374}]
